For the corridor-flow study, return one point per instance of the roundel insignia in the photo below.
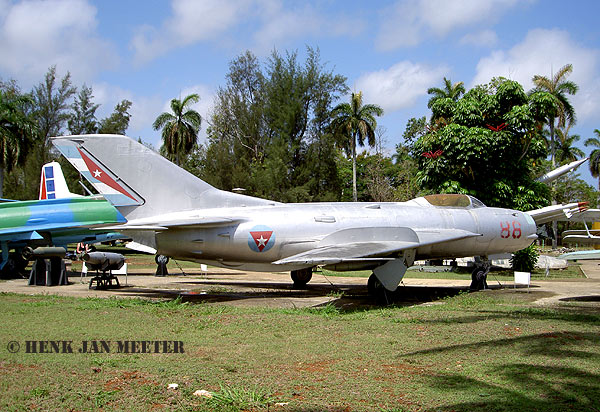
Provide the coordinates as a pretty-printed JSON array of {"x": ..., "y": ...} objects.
[{"x": 261, "y": 238}]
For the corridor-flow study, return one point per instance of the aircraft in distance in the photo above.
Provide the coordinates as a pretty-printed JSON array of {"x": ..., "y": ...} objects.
[
  {"x": 27, "y": 226},
  {"x": 53, "y": 184},
  {"x": 175, "y": 214}
]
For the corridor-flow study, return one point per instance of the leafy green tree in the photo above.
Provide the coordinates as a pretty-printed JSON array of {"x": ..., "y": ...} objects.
[
  {"x": 269, "y": 129},
  {"x": 16, "y": 132},
  {"x": 594, "y": 162},
  {"x": 405, "y": 182},
  {"x": 558, "y": 87},
  {"x": 82, "y": 120},
  {"x": 353, "y": 123},
  {"x": 415, "y": 128},
  {"x": 118, "y": 121},
  {"x": 179, "y": 128},
  {"x": 488, "y": 149}
]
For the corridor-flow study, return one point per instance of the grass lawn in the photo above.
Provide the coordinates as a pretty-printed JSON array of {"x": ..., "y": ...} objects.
[{"x": 488, "y": 351}]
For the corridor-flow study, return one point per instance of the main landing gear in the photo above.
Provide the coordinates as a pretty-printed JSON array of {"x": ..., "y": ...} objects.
[
  {"x": 377, "y": 291},
  {"x": 301, "y": 277},
  {"x": 479, "y": 275}
]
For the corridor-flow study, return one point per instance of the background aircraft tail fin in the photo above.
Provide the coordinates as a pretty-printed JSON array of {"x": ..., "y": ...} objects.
[
  {"x": 139, "y": 181},
  {"x": 53, "y": 184}
]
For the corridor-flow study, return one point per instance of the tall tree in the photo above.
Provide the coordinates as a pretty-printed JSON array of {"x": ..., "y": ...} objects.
[
  {"x": 353, "y": 123},
  {"x": 51, "y": 102},
  {"x": 118, "y": 121},
  {"x": 443, "y": 97},
  {"x": 452, "y": 91},
  {"x": 558, "y": 87},
  {"x": 594, "y": 155},
  {"x": 179, "y": 128},
  {"x": 82, "y": 119},
  {"x": 16, "y": 132},
  {"x": 269, "y": 129}
]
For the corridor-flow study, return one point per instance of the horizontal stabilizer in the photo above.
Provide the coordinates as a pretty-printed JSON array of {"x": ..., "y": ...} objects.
[{"x": 185, "y": 223}]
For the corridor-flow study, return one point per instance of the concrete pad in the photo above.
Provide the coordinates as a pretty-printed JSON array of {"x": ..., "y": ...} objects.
[{"x": 275, "y": 289}]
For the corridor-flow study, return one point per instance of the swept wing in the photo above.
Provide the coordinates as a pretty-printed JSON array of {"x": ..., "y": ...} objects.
[{"x": 372, "y": 243}]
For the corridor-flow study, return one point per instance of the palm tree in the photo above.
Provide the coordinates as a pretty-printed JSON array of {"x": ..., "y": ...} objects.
[
  {"x": 558, "y": 88},
  {"x": 451, "y": 91},
  {"x": 16, "y": 129},
  {"x": 595, "y": 155},
  {"x": 352, "y": 123},
  {"x": 180, "y": 128},
  {"x": 565, "y": 151}
]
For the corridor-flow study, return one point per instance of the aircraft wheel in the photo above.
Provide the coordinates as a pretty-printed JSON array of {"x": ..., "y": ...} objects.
[
  {"x": 161, "y": 259},
  {"x": 377, "y": 291},
  {"x": 20, "y": 263},
  {"x": 301, "y": 277},
  {"x": 10, "y": 270},
  {"x": 478, "y": 279}
]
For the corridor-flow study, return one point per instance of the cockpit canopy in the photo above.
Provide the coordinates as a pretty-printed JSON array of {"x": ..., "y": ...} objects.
[{"x": 454, "y": 200}]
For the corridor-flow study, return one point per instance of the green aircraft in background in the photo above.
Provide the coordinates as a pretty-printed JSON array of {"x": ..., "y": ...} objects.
[{"x": 31, "y": 224}]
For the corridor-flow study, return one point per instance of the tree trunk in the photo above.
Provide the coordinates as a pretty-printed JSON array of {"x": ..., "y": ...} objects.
[
  {"x": 552, "y": 186},
  {"x": 354, "y": 191},
  {"x": 1, "y": 182}
]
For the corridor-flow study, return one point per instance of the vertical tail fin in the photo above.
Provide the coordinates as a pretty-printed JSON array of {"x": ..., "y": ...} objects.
[
  {"x": 139, "y": 181},
  {"x": 53, "y": 184}
]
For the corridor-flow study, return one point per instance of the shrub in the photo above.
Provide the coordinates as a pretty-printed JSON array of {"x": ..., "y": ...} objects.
[{"x": 524, "y": 260}]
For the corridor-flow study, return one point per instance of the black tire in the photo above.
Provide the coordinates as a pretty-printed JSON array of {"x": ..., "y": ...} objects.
[
  {"x": 161, "y": 259},
  {"x": 478, "y": 279},
  {"x": 301, "y": 277},
  {"x": 377, "y": 291},
  {"x": 15, "y": 267}
]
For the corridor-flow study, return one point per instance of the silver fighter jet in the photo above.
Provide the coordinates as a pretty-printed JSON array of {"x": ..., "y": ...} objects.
[{"x": 171, "y": 212}]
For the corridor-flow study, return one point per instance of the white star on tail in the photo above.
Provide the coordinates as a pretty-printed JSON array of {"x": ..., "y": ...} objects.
[{"x": 97, "y": 173}]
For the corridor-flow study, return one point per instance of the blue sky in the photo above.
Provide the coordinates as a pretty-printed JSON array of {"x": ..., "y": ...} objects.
[{"x": 392, "y": 51}]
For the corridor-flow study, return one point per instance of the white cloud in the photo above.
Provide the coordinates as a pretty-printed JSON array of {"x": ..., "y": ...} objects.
[
  {"x": 542, "y": 52},
  {"x": 281, "y": 25},
  {"x": 408, "y": 22},
  {"x": 266, "y": 23},
  {"x": 192, "y": 21},
  {"x": 35, "y": 35},
  {"x": 484, "y": 38},
  {"x": 399, "y": 86}
]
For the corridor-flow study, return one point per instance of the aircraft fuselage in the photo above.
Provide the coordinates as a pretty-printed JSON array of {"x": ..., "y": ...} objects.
[{"x": 265, "y": 234}]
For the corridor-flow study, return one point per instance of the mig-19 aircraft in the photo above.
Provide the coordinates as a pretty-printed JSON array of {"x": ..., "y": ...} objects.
[{"x": 173, "y": 213}]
